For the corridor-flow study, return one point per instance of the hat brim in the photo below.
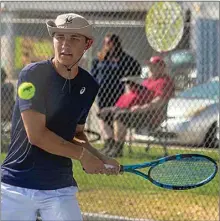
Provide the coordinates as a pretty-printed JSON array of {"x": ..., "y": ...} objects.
[{"x": 85, "y": 31}]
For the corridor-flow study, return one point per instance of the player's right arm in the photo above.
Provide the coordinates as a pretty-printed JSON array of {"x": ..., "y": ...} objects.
[{"x": 40, "y": 136}]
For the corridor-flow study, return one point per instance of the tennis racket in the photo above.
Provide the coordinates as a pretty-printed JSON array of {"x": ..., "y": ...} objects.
[
  {"x": 177, "y": 172},
  {"x": 164, "y": 25}
]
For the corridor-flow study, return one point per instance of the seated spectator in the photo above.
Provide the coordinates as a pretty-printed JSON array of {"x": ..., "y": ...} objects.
[
  {"x": 139, "y": 108},
  {"x": 7, "y": 97},
  {"x": 112, "y": 64}
]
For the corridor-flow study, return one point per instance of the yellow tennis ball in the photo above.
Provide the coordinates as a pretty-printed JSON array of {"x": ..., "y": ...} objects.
[{"x": 26, "y": 90}]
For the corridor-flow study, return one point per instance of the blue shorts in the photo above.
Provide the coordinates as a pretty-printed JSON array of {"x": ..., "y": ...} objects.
[{"x": 23, "y": 204}]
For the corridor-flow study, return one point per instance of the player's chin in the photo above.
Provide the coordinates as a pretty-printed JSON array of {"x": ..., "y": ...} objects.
[{"x": 66, "y": 60}]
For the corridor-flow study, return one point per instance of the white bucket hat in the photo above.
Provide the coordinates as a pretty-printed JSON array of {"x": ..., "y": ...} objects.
[{"x": 70, "y": 23}]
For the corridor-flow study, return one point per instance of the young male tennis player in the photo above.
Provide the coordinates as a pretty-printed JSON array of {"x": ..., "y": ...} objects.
[{"x": 53, "y": 102}]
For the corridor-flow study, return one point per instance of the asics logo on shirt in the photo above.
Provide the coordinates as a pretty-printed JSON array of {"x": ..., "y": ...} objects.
[{"x": 83, "y": 89}]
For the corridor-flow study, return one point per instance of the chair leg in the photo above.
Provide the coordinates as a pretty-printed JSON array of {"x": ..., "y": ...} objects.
[
  {"x": 165, "y": 150},
  {"x": 130, "y": 151},
  {"x": 147, "y": 148}
]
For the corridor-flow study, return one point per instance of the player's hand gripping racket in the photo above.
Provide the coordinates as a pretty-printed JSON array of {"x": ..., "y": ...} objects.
[
  {"x": 164, "y": 25},
  {"x": 177, "y": 172}
]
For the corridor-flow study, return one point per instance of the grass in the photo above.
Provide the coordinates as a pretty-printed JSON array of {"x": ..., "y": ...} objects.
[{"x": 132, "y": 196}]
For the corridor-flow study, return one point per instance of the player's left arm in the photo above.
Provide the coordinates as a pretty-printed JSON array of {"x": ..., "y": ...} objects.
[{"x": 80, "y": 138}]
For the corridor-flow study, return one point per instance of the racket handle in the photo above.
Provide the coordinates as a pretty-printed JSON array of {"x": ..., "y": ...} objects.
[{"x": 107, "y": 166}]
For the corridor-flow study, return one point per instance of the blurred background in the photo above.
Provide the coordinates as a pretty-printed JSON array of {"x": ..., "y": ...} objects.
[{"x": 192, "y": 122}]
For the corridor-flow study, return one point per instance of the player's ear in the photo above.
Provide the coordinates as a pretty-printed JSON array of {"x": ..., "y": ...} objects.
[{"x": 88, "y": 44}]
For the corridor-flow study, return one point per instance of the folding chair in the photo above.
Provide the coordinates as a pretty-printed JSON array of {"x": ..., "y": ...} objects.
[{"x": 143, "y": 135}]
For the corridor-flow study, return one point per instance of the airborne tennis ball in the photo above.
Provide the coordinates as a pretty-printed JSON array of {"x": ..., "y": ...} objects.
[{"x": 26, "y": 90}]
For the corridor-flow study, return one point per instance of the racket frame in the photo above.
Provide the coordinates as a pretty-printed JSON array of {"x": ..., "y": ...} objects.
[{"x": 133, "y": 169}]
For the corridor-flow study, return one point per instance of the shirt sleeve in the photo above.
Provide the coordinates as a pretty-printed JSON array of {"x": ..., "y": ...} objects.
[{"x": 37, "y": 79}]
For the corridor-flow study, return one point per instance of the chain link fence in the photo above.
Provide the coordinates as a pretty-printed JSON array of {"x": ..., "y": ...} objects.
[{"x": 189, "y": 124}]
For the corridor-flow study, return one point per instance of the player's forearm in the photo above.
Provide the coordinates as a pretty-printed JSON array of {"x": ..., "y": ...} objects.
[
  {"x": 55, "y": 144},
  {"x": 85, "y": 143},
  {"x": 94, "y": 151}
]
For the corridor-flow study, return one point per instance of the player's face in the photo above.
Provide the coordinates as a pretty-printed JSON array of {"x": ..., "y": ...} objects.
[{"x": 68, "y": 47}]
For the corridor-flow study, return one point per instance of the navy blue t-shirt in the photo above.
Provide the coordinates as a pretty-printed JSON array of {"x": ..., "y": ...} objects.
[{"x": 65, "y": 103}]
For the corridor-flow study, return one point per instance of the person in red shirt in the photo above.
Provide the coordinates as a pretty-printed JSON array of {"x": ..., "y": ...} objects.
[
  {"x": 143, "y": 106},
  {"x": 137, "y": 95}
]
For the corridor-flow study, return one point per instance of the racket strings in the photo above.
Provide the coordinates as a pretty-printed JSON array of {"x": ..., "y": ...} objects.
[{"x": 182, "y": 172}]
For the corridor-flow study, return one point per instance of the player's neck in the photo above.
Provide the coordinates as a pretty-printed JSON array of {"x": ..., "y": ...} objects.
[{"x": 62, "y": 70}]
